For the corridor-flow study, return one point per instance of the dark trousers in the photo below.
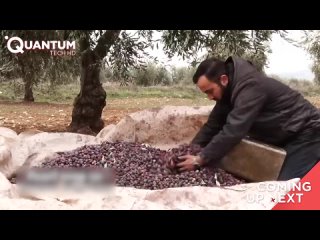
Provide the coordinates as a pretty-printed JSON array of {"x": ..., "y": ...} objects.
[{"x": 303, "y": 153}]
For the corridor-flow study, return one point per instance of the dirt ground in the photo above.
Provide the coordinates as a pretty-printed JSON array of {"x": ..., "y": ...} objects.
[
  {"x": 21, "y": 116},
  {"x": 47, "y": 117},
  {"x": 50, "y": 117}
]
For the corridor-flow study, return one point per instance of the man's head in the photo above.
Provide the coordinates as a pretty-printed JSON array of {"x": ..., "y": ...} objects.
[{"x": 211, "y": 78}]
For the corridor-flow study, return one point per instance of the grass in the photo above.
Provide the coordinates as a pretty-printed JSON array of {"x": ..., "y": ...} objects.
[
  {"x": 185, "y": 92},
  {"x": 67, "y": 93}
]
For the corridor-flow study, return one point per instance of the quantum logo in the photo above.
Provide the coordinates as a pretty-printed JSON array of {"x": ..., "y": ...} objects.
[{"x": 56, "y": 48}]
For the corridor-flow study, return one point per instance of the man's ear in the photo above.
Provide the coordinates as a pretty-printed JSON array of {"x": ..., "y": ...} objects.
[{"x": 224, "y": 80}]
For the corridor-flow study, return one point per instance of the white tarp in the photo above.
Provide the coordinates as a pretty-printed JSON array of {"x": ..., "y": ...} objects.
[
  {"x": 163, "y": 128},
  {"x": 187, "y": 198}
]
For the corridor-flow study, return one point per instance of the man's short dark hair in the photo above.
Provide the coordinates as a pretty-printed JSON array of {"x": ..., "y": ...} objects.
[{"x": 212, "y": 68}]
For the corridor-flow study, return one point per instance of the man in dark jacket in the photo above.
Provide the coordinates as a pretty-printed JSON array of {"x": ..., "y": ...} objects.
[{"x": 250, "y": 104}]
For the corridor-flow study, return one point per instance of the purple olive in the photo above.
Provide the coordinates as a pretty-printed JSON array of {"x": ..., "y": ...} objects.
[{"x": 139, "y": 166}]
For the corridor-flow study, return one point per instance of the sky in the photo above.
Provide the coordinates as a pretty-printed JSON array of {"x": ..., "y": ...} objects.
[{"x": 285, "y": 61}]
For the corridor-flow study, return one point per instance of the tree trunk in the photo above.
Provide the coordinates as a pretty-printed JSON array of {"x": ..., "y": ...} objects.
[
  {"x": 89, "y": 103},
  {"x": 28, "y": 93}
]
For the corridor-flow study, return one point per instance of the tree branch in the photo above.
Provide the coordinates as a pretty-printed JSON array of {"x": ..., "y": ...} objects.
[
  {"x": 105, "y": 42},
  {"x": 7, "y": 67},
  {"x": 84, "y": 42}
]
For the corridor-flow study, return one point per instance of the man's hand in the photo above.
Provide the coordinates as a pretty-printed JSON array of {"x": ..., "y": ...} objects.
[{"x": 190, "y": 163}]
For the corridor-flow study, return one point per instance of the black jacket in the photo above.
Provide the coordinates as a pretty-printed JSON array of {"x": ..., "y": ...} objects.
[{"x": 257, "y": 106}]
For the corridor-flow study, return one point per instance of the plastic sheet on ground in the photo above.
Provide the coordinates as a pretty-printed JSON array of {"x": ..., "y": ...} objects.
[{"x": 163, "y": 128}]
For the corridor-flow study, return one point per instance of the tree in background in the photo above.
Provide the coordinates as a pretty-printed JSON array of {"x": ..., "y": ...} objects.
[
  {"x": 119, "y": 49},
  {"x": 250, "y": 44},
  {"x": 123, "y": 50},
  {"x": 37, "y": 65},
  {"x": 311, "y": 43},
  {"x": 182, "y": 74}
]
